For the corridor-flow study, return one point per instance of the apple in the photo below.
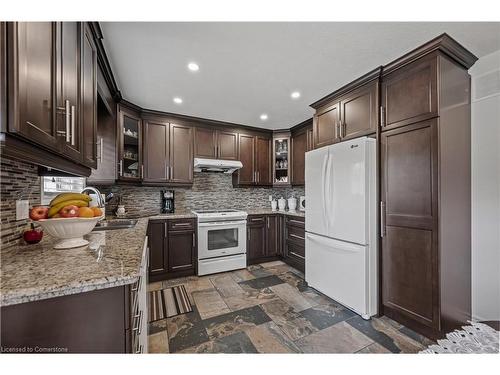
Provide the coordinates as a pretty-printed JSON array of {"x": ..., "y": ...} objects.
[
  {"x": 69, "y": 211},
  {"x": 39, "y": 212},
  {"x": 32, "y": 235}
]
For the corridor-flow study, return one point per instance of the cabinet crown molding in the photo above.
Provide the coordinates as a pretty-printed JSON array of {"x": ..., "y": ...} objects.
[{"x": 368, "y": 77}]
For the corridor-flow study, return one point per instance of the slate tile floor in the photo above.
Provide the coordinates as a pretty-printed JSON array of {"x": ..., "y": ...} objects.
[{"x": 268, "y": 308}]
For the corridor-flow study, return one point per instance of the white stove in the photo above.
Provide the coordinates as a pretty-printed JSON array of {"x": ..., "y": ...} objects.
[
  {"x": 222, "y": 240},
  {"x": 217, "y": 215}
]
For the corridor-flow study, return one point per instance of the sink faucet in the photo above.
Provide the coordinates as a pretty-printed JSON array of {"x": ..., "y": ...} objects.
[{"x": 100, "y": 200}]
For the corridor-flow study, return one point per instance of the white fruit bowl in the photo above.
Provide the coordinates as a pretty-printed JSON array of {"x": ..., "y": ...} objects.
[{"x": 69, "y": 231}]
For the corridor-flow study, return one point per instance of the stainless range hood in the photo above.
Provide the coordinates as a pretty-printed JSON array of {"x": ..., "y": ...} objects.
[{"x": 216, "y": 165}]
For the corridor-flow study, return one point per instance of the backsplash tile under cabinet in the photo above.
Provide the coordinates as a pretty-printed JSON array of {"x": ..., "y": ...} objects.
[
  {"x": 209, "y": 191},
  {"x": 18, "y": 180}
]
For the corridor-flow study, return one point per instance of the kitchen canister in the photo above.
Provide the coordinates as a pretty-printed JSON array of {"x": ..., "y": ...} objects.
[
  {"x": 292, "y": 204},
  {"x": 282, "y": 204},
  {"x": 274, "y": 205}
]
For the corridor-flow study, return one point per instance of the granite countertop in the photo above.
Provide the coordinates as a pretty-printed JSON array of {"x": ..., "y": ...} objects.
[
  {"x": 35, "y": 272},
  {"x": 113, "y": 258},
  {"x": 268, "y": 211}
]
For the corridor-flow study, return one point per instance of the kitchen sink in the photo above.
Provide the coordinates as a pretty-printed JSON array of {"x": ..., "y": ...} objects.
[{"x": 115, "y": 224}]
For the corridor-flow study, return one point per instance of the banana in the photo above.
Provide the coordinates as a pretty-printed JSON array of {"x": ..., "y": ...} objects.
[
  {"x": 69, "y": 196},
  {"x": 75, "y": 202}
]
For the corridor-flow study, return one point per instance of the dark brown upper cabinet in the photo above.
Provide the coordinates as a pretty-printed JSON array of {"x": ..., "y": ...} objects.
[
  {"x": 69, "y": 120},
  {"x": 263, "y": 169},
  {"x": 301, "y": 142},
  {"x": 254, "y": 152},
  {"x": 419, "y": 80},
  {"x": 348, "y": 112},
  {"x": 246, "y": 154},
  {"x": 358, "y": 112},
  {"x": 130, "y": 167},
  {"x": 227, "y": 145},
  {"x": 156, "y": 151},
  {"x": 325, "y": 126},
  {"x": 52, "y": 97},
  {"x": 88, "y": 102},
  {"x": 32, "y": 63},
  {"x": 168, "y": 152},
  {"x": 181, "y": 154},
  {"x": 212, "y": 143}
]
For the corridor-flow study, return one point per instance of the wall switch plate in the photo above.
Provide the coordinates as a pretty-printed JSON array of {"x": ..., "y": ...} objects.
[{"x": 22, "y": 209}]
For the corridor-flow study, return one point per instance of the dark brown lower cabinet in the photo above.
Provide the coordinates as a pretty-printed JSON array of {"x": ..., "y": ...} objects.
[
  {"x": 110, "y": 320},
  {"x": 172, "y": 244},
  {"x": 294, "y": 242},
  {"x": 274, "y": 236},
  {"x": 256, "y": 238}
]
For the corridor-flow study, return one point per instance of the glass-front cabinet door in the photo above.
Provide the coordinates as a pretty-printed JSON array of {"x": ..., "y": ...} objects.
[
  {"x": 130, "y": 163},
  {"x": 281, "y": 161}
]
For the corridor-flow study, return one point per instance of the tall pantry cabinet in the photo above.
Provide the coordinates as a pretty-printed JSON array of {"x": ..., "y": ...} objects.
[{"x": 425, "y": 172}]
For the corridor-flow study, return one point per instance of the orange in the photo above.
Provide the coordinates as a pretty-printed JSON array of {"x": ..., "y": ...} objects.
[
  {"x": 85, "y": 212},
  {"x": 97, "y": 211}
]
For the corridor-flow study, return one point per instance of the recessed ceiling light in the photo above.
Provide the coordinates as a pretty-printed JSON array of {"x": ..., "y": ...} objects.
[
  {"x": 263, "y": 117},
  {"x": 295, "y": 95},
  {"x": 177, "y": 100},
  {"x": 192, "y": 66}
]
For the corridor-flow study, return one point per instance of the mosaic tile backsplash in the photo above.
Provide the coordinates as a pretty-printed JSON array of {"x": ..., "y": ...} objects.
[
  {"x": 20, "y": 180},
  {"x": 209, "y": 191}
]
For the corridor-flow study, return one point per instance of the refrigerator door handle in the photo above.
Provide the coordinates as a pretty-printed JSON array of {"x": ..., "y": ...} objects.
[
  {"x": 382, "y": 219},
  {"x": 349, "y": 248},
  {"x": 323, "y": 187}
]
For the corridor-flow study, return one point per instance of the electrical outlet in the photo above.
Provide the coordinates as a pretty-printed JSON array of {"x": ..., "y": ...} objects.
[{"x": 22, "y": 209}]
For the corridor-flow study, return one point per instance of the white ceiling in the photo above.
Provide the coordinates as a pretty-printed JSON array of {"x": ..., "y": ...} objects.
[{"x": 247, "y": 69}]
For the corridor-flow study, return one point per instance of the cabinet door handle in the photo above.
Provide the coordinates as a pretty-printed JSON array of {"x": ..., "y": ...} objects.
[
  {"x": 165, "y": 230},
  {"x": 382, "y": 116},
  {"x": 167, "y": 171},
  {"x": 337, "y": 130},
  {"x": 171, "y": 174},
  {"x": 120, "y": 170},
  {"x": 142, "y": 170},
  {"x": 72, "y": 125},
  {"x": 194, "y": 241},
  {"x": 382, "y": 219},
  {"x": 100, "y": 143},
  {"x": 344, "y": 128}
]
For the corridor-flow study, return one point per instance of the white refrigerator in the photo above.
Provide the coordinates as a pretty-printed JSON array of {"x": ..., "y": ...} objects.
[{"x": 341, "y": 238}]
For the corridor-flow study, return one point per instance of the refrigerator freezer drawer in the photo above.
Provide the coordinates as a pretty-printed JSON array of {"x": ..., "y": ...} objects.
[{"x": 343, "y": 271}]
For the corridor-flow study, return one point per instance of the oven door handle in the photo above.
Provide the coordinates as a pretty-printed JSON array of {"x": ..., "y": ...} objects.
[{"x": 221, "y": 223}]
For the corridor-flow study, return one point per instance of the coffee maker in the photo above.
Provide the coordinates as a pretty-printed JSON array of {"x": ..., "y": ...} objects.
[{"x": 167, "y": 201}]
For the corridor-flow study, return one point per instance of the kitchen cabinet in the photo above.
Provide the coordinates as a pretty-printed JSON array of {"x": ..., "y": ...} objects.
[
  {"x": 256, "y": 238},
  {"x": 263, "y": 237},
  {"x": 325, "y": 126},
  {"x": 69, "y": 122},
  {"x": 168, "y": 152},
  {"x": 281, "y": 159},
  {"x": 349, "y": 112},
  {"x": 52, "y": 96},
  {"x": 425, "y": 209},
  {"x": 156, "y": 151},
  {"x": 158, "y": 255},
  {"x": 88, "y": 102},
  {"x": 358, "y": 112},
  {"x": 109, "y": 320},
  {"x": 130, "y": 167},
  {"x": 301, "y": 142},
  {"x": 294, "y": 242},
  {"x": 254, "y": 152},
  {"x": 181, "y": 154},
  {"x": 32, "y": 96},
  {"x": 213, "y": 143},
  {"x": 272, "y": 235},
  {"x": 419, "y": 80},
  {"x": 173, "y": 248}
]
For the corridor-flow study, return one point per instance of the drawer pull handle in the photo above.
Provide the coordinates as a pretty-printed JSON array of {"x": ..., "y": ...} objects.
[
  {"x": 295, "y": 236},
  {"x": 297, "y": 255}
]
